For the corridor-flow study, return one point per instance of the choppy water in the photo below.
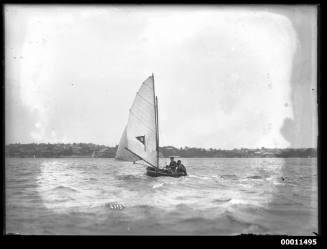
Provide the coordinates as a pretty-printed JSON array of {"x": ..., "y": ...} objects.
[{"x": 225, "y": 196}]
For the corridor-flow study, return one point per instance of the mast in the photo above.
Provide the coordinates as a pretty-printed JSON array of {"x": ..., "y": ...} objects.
[
  {"x": 156, "y": 121},
  {"x": 157, "y": 131}
]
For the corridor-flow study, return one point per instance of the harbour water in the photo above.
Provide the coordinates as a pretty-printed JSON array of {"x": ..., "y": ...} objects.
[{"x": 220, "y": 196}]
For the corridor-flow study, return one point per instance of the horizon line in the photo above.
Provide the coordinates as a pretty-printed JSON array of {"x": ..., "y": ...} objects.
[{"x": 177, "y": 147}]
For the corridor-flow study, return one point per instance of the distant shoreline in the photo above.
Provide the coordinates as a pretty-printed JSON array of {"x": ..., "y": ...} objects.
[
  {"x": 89, "y": 150},
  {"x": 160, "y": 157}
]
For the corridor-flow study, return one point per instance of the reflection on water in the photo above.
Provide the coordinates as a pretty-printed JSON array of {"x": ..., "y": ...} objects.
[{"x": 219, "y": 196}]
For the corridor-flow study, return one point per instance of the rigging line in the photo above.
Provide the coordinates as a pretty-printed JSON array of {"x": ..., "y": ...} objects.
[{"x": 141, "y": 120}]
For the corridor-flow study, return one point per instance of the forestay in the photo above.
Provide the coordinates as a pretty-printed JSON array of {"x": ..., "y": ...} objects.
[{"x": 138, "y": 141}]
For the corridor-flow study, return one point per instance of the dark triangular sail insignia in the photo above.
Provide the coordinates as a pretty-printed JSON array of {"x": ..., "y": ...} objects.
[{"x": 141, "y": 139}]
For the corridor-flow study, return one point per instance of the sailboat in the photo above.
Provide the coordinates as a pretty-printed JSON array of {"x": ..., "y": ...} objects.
[{"x": 140, "y": 138}]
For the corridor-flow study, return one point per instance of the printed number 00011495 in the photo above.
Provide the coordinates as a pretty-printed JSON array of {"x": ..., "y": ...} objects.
[{"x": 298, "y": 242}]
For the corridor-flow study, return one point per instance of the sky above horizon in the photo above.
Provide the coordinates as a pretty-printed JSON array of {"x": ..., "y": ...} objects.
[{"x": 225, "y": 77}]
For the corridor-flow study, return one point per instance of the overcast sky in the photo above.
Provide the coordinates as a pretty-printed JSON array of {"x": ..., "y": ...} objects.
[{"x": 225, "y": 77}]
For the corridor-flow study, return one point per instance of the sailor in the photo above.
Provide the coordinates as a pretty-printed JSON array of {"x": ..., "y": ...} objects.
[
  {"x": 172, "y": 165},
  {"x": 180, "y": 167}
]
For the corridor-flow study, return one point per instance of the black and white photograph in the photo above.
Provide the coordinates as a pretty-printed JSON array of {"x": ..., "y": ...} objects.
[{"x": 161, "y": 119}]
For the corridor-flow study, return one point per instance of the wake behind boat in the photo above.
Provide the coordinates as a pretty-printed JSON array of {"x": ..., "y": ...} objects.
[{"x": 140, "y": 138}]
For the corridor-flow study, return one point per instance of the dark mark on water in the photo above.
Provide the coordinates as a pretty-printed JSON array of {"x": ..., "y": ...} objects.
[{"x": 114, "y": 206}]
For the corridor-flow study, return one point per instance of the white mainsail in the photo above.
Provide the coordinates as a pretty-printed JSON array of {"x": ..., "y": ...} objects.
[{"x": 139, "y": 139}]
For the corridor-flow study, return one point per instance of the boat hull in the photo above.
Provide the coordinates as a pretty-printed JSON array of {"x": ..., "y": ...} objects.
[{"x": 150, "y": 171}]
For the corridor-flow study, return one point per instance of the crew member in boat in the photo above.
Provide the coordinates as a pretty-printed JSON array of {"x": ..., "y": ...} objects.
[
  {"x": 180, "y": 168},
  {"x": 172, "y": 165}
]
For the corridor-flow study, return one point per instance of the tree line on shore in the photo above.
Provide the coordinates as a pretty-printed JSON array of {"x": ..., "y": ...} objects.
[{"x": 102, "y": 151}]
